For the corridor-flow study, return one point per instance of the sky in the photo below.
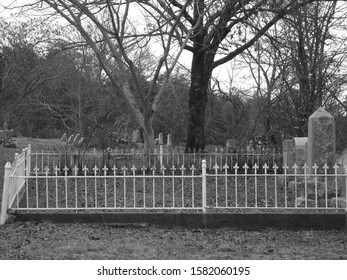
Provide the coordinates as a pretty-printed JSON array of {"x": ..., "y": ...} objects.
[{"x": 229, "y": 74}]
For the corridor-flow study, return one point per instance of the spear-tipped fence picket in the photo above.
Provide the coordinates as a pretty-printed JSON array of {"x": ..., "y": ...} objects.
[
  {"x": 161, "y": 157},
  {"x": 176, "y": 188}
]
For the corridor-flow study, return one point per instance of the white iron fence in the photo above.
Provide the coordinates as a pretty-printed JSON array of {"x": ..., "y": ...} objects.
[
  {"x": 218, "y": 188},
  {"x": 15, "y": 178},
  {"x": 162, "y": 156}
]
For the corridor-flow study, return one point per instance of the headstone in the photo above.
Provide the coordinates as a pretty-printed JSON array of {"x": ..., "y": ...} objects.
[
  {"x": 136, "y": 136},
  {"x": 64, "y": 138},
  {"x": 250, "y": 148},
  {"x": 344, "y": 171},
  {"x": 161, "y": 141},
  {"x": 70, "y": 140},
  {"x": 169, "y": 140},
  {"x": 288, "y": 154},
  {"x": 321, "y": 139},
  {"x": 230, "y": 143},
  {"x": 300, "y": 152},
  {"x": 75, "y": 140}
]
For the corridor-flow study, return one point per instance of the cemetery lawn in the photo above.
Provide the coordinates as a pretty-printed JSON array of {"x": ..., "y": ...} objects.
[{"x": 31, "y": 240}]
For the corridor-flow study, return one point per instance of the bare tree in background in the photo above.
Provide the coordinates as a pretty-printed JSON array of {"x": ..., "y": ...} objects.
[
  {"x": 112, "y": 30},
  {"x": 22, "y": 69},
  {"x": 221, "y": 36}
]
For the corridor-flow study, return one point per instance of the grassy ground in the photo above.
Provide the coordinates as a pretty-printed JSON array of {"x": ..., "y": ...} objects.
[{"x": 29, "y": 240}]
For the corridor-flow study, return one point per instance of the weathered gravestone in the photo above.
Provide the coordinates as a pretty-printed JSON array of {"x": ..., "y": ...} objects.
[
  {"x": 230, "y": 143},
  {"x": 300, "y": 152},
  {"x": 160, "y": 139},
  {"x": 300, "y": 159},
  {"x": 321, "y": 139},
  {"x": 136, "y": 137},
  {"x": 169, "y": 140},
  {"x": 288, "y": 154}
]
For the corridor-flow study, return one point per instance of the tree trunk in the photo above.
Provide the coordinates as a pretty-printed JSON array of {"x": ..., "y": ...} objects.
[
  {"x": 148, "y": 132},
  {"x": 197, "y": 100},
  {"x": 4, "y": 127},
  {"x": 148, "y": 135}
]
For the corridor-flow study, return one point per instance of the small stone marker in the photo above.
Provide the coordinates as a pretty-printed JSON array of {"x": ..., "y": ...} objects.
[
  {"x": 136, "y": 137},
  {"x": 230, "y": 143},
  {"x": 321, "y": 139},
  {"x": 169, "y": 140},
  {"x": 161, "y": 141},
  {"x": 300, "y": 149}
]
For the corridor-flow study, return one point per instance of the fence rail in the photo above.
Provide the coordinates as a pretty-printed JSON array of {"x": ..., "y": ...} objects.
[{"x": 211, "y": 188}]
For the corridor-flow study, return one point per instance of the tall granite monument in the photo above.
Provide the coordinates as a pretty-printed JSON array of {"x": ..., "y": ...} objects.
[{"x": 321, "y": 139}]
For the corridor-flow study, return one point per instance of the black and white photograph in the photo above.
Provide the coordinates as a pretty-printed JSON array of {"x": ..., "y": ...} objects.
[{"x": 173, "y": 139}]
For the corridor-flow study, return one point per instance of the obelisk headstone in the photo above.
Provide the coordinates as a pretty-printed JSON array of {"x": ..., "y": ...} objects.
[{"x": 321, "y": 139}]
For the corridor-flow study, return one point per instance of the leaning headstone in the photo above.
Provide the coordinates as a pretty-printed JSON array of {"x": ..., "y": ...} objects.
[
  {"x": 288, "y": 154},
  {"x": 321, "y": 139},
  {"x": 136, "y": 137},
  {"x": 300, "y": 152},
  {"x": 75, "y": 140},
  {"x": 169, "y": 140},
  {"x": 70, "y": 140},
  {"x": 64, "y": 138},
  {"x": 161, "y": 140}
]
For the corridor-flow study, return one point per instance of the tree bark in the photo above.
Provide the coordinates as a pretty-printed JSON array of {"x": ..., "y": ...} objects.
[
  {"x": 201, "y": 72},
  {"x": 148, "y": 134}
]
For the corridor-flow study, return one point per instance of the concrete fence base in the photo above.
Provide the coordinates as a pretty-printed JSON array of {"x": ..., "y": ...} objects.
[{"x": 318, "y": 221}]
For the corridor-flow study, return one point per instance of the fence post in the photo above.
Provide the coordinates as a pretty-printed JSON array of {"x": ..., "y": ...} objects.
[
  {"x": 203, "y": 185},
  {"x": 5, "y": 193},
  {"x": 28, "y": 161}
]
